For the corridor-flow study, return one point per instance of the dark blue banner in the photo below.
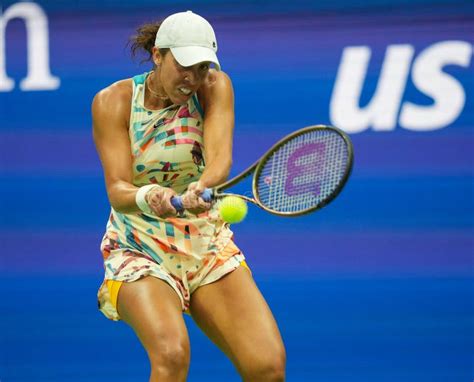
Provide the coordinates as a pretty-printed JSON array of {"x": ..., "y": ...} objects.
[{"x": 399, "y": 82}]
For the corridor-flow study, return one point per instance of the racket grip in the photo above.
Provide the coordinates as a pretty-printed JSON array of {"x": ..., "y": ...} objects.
[
  {"x": 177, "y": 201},
  {"x": 207, "y": 195}
]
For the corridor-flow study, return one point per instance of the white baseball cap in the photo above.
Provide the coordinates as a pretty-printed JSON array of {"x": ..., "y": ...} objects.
[{"x": 190, "y": 38}]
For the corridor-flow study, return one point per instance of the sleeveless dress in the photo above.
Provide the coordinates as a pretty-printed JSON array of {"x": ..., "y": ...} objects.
[{"x": 186, "y": 251}]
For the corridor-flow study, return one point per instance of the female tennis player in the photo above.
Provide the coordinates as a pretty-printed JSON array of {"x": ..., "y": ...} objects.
[{"x": 166, "y": 132}]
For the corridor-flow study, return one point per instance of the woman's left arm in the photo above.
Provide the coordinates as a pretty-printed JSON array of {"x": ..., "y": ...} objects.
[{"x": 217, "y": 100}]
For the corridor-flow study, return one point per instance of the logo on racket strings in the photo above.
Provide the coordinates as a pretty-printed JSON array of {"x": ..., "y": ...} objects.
[{"x": 303, "y": 166}]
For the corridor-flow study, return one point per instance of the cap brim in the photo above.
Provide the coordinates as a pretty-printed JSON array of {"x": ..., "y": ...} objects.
[{"x": 192, "y": 55}]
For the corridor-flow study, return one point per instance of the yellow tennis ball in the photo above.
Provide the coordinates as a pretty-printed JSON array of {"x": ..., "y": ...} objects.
[{"x": 233, "y": 209}]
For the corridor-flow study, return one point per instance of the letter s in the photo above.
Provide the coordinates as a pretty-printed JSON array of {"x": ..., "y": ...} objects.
[{"x": 448, "y": 94}]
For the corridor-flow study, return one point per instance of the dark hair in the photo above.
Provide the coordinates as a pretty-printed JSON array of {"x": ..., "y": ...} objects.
[{"x": 144, "y": 41}]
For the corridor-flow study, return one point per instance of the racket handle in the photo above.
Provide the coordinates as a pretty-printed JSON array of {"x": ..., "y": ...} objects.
[
  {"x": 207, "y": 195},
  {"x": 177, "y": 201}
]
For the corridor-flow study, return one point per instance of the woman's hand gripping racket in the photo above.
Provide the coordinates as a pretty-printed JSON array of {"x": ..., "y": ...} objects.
[{"x": 301, "y": 173}]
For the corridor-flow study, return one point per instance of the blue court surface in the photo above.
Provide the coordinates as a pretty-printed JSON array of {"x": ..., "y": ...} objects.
[{"x": 344, "y": 329}]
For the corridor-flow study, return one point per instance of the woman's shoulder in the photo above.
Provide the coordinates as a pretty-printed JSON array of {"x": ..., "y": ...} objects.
[
  {"x": 119, "y": 91},
  {"x": 218, "y": 85},
  {"x": 217, "y": 79},
  {"x": 114, "y": 98}
]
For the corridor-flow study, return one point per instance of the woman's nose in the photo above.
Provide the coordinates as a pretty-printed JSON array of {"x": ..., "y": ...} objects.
[{"x": 190, "y": 77}]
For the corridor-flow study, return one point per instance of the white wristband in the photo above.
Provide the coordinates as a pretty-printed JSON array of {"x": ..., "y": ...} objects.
[{"x": 140, "y": 198}]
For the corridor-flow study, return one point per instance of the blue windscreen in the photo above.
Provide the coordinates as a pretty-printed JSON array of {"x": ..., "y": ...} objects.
[{"x": 399, "y": 81}]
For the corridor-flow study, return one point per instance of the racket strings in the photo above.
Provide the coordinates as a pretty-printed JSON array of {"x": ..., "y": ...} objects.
[{"x": 303, "y": 172}]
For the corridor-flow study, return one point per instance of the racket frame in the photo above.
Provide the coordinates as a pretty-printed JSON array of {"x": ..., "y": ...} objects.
[
  {"x": 258, "y": 165},
  {"x": 281, "y": 142}
]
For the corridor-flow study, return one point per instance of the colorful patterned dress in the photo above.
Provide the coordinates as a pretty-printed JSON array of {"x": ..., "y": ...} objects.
[{"x": 186, "y": 252}]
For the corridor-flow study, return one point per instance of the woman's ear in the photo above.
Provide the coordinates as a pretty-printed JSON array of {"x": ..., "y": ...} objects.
[{"x": 156, "y": 56}]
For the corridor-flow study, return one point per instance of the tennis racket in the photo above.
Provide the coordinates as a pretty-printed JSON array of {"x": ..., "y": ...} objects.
[{"x": 301, "y": 173}]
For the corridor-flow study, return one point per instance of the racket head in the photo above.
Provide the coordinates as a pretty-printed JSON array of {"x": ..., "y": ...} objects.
[{"x": 304, "y": 171}]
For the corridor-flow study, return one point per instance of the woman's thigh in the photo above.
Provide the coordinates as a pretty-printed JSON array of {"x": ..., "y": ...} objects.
[
  {"x": 235, "y": 316},
  {"x": 153, "y": 309}
]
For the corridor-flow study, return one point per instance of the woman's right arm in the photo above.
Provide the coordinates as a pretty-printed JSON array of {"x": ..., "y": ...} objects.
[{"x": 110, "y": 113}]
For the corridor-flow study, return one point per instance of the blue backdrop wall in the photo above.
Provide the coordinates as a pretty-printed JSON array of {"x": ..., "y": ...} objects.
[{"x": 397, "y": 76}]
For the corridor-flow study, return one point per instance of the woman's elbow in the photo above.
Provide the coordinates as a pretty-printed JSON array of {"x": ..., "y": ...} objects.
[{"x": 120, "y": 197}]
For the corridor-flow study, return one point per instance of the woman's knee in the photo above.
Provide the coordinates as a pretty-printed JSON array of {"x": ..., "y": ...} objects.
[
  {"x": 169, "y": 356},
  {"x": 268, "y": 367}
]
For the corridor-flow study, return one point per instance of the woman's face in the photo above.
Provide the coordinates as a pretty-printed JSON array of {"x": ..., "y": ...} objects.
[{"x": 179, "y": 82}]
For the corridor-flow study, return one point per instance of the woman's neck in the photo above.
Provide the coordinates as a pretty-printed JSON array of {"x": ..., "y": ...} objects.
[{"x": 155, "y": 96}]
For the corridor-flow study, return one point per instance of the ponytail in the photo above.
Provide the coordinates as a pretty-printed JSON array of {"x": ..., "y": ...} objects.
[{"x": 144, "y": 41}]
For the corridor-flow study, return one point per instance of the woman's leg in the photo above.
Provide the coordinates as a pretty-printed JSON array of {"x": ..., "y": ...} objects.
[
  {"x": 234, "y": 315},
  {"x": 153, "y": 309}
]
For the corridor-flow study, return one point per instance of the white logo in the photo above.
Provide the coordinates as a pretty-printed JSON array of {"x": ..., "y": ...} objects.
[
  {"x": 39, "y": 76},
  {"x": 382, "y": 111}
]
